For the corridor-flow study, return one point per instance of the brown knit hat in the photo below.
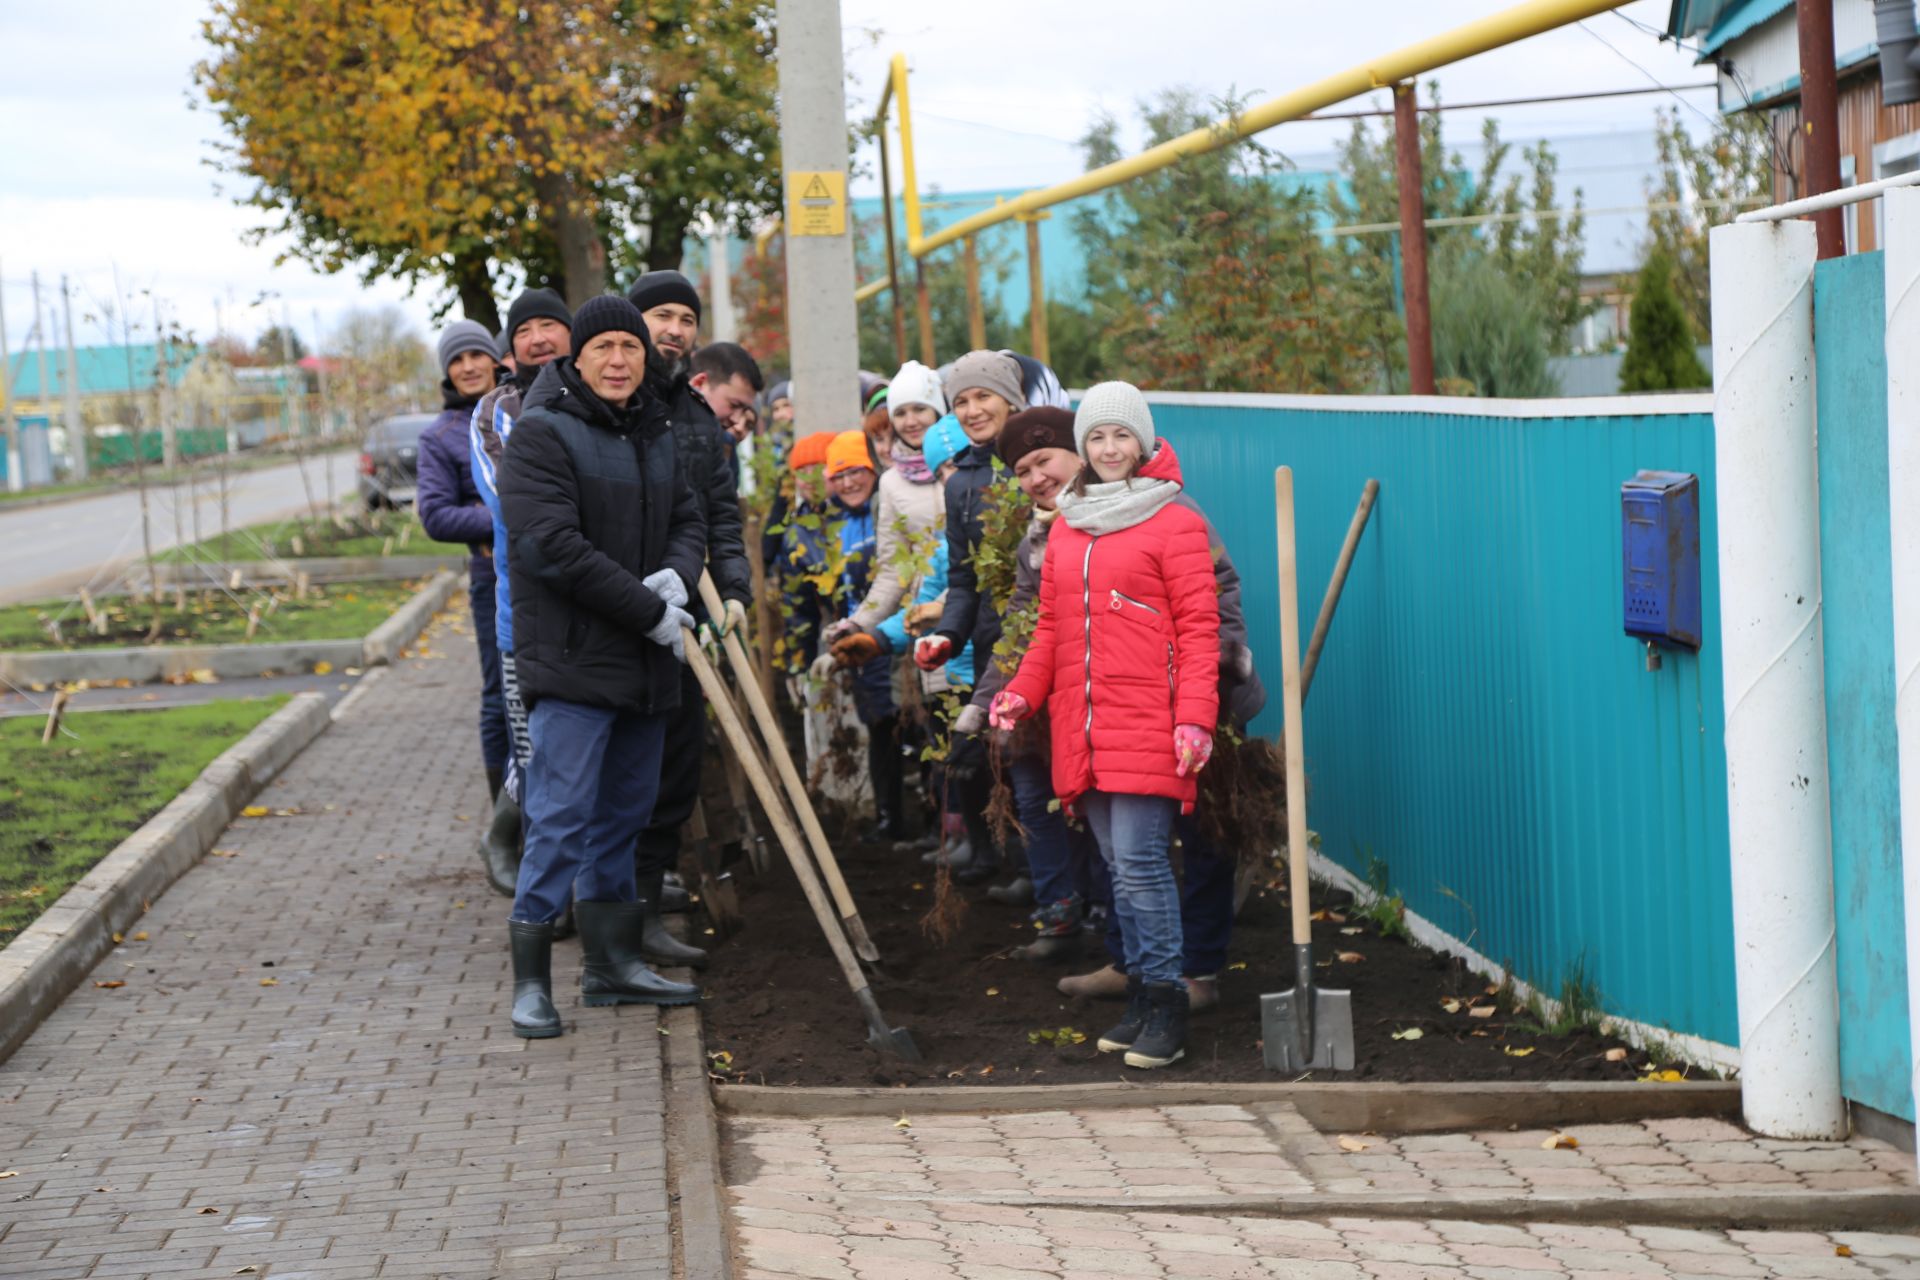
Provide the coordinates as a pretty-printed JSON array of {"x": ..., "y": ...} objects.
[{"x": 1043, "y": 427}]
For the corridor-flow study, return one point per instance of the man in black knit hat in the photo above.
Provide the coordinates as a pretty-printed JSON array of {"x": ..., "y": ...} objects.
[{"x": 670, "y": 305}]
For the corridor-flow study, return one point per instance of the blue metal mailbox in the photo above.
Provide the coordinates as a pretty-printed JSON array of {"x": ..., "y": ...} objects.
[{"x": 1660, "y": 546}]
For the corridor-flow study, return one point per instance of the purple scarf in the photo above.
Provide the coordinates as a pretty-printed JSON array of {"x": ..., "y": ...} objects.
[{"x": 911, "y": 464}]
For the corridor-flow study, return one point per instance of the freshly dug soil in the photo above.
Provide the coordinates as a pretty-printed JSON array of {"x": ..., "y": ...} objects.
[{"x": 778, "y": 1005}]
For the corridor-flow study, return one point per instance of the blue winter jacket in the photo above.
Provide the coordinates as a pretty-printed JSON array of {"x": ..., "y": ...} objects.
[
  {"x": 487, "y": 431},
  {"x": 447, "y": 501},
  {"x": 960, "y": 666}
]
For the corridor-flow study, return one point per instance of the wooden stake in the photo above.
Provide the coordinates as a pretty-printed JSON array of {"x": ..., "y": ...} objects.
[
  {"x": 54, "y": 715},
  {"x": 300, "y": 582},
  {"x": 253, "y": 620}
]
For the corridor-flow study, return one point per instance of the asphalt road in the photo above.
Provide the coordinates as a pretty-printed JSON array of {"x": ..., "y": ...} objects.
[{"x": 53, "y": 549}]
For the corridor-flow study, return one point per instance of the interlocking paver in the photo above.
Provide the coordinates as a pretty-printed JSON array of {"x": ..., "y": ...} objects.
[{"x": 367, "y": 1114}]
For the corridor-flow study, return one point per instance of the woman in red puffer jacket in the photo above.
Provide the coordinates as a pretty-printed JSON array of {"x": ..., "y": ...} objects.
[{"x": 1126, "y": 656}]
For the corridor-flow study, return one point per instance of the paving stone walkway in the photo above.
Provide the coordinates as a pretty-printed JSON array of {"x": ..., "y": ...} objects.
[
  {"x": 308, "y": 1070},
  {"x": 1066, "y": 1194}
]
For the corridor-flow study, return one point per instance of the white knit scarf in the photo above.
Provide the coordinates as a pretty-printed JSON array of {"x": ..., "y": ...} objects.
[{"x": 1113, "y": 505}]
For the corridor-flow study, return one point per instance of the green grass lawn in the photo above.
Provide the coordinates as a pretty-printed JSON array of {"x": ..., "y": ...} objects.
[
  {"x": 336, "y": 611},
  {"x": 366, "y": 534},
  {"x": 65, "y": 806}
]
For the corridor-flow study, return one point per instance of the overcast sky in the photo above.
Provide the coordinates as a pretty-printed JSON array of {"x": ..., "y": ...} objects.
[{"x": 107, "y": 161}]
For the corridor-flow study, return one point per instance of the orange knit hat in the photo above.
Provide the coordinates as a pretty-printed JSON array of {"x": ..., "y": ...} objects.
[
  {"x": 848, "y": 451},
  {"x": 809, "y": 451}
]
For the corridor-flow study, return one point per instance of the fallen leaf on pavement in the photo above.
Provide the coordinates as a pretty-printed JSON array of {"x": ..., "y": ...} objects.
[
  {"x": 1842, "y": 1251},
  {"x": 903, "y": 1122},
  {"x": 110, "y": 984},
  {"x": 1559, "y": 1141},
  {"x": 322, "y": 669},
  {"x": 226, "y": 853},
  {"x": 248, "y": 1270},
  {"x": 119, "y": 938},
  {"x": 9, "y": 1173},
  {"x": 140, "y": 936},
  {"x": 209, "y": 1209},
  {"x": 269, "y": 982},
  {"x": 255, "y": 811},
  {"x": 1353, "y": 1144}
]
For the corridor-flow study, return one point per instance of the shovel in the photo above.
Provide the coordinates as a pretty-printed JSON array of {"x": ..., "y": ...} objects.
[
  {"x": 1303, "y": 1029},
  {"x": 717, "y": 891},
  {"x": 790, "y": 777},
  {"x": 894, "y": 1040}
]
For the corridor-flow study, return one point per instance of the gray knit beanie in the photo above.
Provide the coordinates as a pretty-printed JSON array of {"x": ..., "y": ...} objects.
[
  {"x": 463, "y": 336},
  {"x": 993, "y": 371},
  {"x": 1115, "y": 404}
]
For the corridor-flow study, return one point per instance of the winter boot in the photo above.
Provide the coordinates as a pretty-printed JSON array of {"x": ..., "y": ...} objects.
[
  {"x": 1017, "y": 894},
  {"x": 983, "y": 866},
  {"x": 494, "y": 778},
  {"x": 613, "y": 971},
  {"x": 657, "y": 942},
  {"x": 534, "y": 1017},
  {"x": 956, "y": 857},
  {"x": 500, "y": 846},
  {"x": 1102, "y": 984},
  {"x": 1163, "y": 1040},
  {"x": 1123, "y": 1033},
  {"x": 1057, "y": 932}
]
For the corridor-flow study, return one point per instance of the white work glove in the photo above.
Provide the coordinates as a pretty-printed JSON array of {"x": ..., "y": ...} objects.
[
  {"x": 841, "y": 630},
  {"x": 822, "y": 667},
  {"x": 971, "y": 720},
  {"x": 671, "y": 631},
  {"x": 735, "y": 619},
  {"x": 666, "y": 584}
]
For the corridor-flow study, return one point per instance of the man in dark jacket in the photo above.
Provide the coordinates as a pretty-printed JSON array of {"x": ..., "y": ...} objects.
[
  {"x": 670, "y": 306},
  {"x": 451, "y": 511},
  {"x": 605, "y": 542}
]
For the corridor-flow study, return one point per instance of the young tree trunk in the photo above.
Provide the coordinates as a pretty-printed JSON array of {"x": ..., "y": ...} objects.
[
  {"x": 583, "y": 255},
  {"x": 472, "y": 279},
  {"x": 668, "y": 238}
]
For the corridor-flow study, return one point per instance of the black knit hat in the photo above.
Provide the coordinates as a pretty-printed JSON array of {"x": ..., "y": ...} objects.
[
  {"x": 1044, "y": 427},
  {"x": 533, "y": 305},
  {"x": 656, "y": 287},
  {"x": 608, "y": 313}
]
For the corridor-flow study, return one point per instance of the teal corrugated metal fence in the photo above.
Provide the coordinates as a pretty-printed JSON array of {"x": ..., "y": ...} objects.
[
  {"x": 1856, "y": 586},
  {"x": 1479, "y": 722}
]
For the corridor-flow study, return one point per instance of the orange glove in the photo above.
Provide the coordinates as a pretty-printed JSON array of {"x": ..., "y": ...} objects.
[{"x": 857, "y": 649}]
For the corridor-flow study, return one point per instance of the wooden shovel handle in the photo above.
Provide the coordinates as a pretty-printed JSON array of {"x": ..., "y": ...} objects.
[{"x": 1294, "y": 732}]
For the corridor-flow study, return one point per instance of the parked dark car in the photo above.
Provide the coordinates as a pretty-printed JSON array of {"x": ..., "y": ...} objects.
[{"x": 390, "y": 460}]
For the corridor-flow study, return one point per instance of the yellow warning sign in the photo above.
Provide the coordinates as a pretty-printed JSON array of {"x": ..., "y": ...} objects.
[{"x": 817, "y": 202}]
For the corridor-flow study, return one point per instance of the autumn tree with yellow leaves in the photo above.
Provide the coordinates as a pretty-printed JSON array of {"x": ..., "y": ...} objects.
[{"x": 483, "y": 143}]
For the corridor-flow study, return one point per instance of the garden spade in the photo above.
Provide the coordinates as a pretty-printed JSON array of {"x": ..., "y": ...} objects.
[
  {"x": 894, "y": 1040},
  {"x": 1302, "y": 1028}
]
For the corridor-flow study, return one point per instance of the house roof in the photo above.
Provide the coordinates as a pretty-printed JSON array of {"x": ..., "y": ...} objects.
[
  {"x": 102, "y": 370},
  {"x": 1720, "y": 20}
]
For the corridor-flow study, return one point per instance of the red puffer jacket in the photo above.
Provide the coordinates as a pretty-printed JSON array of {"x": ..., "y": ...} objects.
[{"x": 1127, "y": 646}]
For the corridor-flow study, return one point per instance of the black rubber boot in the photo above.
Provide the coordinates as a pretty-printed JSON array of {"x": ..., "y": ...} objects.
[
  {"x": 494, "y": 778},
  {"x": 613, "y": 970},
  {"x": 534, "y": 1017},
  {"x": 674, "y": 899},
  {"x": 1127, "y": 1030},
  {"x": 657, "y": 942},
  {"x": 563, "y": 927},
  {"x": 1163, "y": 1041},
  {"x": 500, "y": 846}
]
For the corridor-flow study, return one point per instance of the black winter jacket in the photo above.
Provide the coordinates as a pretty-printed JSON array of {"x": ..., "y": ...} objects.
[
  {"x": 594, "y": 499},
  {"x": 706, "y": 459},
  {"x": 967, "y": 617}
]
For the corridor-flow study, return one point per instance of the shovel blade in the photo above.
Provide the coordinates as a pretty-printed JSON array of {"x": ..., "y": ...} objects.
[
  {"x": 1331, "y": 1048},
  {"x": 897, "y": 1041},
  {"x": 722, "y": 900}
]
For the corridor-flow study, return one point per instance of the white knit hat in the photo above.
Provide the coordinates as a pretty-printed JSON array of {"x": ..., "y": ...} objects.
[
  {"x": 916, "y": 384},
  {"x": 1114, "y": 404}
]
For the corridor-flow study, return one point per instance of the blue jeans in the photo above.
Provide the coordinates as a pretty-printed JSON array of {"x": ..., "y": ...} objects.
[
  {"x": 1206, "y": 904},
  {"x": 495, "y": 742},
  {"x": 1050, "y": 852},
  {"x": 1135, "y": 833},
  {"x": 589, "y": 791}
]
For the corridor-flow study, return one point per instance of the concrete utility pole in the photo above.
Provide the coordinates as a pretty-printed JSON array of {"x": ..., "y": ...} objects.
[
  {"x": 1413, "y": 239},
  {"x": 1820, "y": 118},
  {"x": 76, "y": 424},
  {"x": 40, "y": 357},
  {"x": 821, "y": 319},
  {"x": 14, "y": 481}
]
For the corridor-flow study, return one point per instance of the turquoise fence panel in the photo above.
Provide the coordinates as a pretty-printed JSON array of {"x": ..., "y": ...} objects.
[
  {"x": 1856, "y": 584},
  {"x": 1479, "y": 722}
]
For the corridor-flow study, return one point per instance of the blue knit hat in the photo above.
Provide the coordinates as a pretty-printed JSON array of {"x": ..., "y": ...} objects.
[{"x": 944, "y": 440}]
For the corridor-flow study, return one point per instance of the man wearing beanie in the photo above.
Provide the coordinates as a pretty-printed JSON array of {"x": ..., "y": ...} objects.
[
  {"x": 451, "y": 510},
  {"x": 539, "y": 331},
  {"x": 670, "y": 307},
  {"x": 605, "y": 548}
]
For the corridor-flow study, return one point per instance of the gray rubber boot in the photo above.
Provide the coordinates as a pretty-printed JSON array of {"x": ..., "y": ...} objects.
[
  {"x": 657, "y": 942},
  {"x": 534, "y": 1017}
]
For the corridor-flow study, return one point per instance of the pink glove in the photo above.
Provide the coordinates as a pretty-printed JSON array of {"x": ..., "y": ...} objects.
[
  {"x": 930, "y": 651},
  {"x": 1194, "y": 747},
  {"x": 1008, "y": 710}
]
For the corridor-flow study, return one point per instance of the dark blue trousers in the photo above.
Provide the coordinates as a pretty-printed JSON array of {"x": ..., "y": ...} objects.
[
  {"x": 496, "y": 744},
  {"x": 589, "y": 791}
]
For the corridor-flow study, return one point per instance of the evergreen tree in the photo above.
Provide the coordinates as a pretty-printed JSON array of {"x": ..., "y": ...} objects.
[{"x": 1660, "y": 355}]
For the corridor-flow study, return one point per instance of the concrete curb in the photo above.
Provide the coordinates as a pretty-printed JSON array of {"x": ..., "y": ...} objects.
[
  {"x": 148, "y": 664},
  {"x": 54, "y": 954},
  {"x": 317, "y": 569},
  {"x": 1377, "y": 1108},
  {"x": 703, "y": 1243}
]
